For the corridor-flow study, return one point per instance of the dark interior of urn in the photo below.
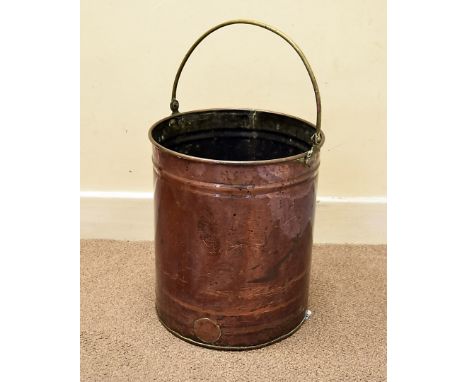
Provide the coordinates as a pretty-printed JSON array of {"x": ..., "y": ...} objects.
[{"x": 235, "y": 135}]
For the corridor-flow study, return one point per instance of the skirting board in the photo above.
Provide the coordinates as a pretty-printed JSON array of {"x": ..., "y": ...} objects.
[{"x": 129, "y": 216}]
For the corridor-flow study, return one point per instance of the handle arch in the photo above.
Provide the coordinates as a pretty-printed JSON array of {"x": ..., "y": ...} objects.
[{"x": 175, "y": 104}]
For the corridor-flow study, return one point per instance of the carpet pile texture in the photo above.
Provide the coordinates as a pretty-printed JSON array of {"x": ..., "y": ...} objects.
[{"x": 122, "y": 339}]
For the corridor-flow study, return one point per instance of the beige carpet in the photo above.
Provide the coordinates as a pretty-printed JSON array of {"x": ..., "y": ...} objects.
[{"x": 122, "y": 340}]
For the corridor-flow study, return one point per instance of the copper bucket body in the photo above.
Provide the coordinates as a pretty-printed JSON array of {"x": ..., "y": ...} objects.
[{"x": 235, "y": 195}]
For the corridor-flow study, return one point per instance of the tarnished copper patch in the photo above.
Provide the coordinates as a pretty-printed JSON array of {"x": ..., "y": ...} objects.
[{"x": 207, "y": 330}]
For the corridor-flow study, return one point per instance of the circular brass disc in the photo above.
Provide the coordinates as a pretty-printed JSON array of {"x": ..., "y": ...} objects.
[{"x": 207, "y": 330}]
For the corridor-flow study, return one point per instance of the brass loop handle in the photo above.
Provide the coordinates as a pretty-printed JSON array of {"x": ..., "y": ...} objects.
[{"x": 175, "y": 104}]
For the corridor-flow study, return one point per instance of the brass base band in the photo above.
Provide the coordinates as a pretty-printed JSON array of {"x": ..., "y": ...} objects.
[{"x": 235, "y": 348}]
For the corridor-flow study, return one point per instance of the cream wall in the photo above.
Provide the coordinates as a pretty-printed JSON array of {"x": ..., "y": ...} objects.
[{"x": 130, "y": 51}]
